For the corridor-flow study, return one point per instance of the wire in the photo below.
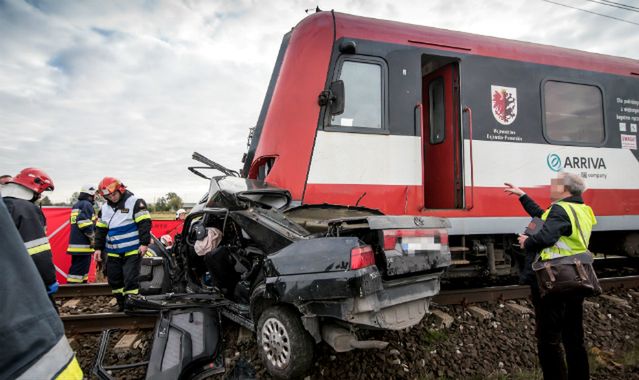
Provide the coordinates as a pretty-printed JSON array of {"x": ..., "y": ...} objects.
[
  {"x": 594, "y": 13},
  {"x": 620, "y": 4},
  {"x": 616, "y": 5}
]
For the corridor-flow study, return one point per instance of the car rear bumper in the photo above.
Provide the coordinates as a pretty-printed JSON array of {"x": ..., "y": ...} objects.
[{"x": 362, "y": 297}]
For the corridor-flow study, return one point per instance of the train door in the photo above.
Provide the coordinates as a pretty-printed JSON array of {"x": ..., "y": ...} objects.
[{"x": 441, "y": 140}]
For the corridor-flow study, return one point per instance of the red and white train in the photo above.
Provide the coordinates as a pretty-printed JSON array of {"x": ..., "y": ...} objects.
[{"x": 415, "y": 120}]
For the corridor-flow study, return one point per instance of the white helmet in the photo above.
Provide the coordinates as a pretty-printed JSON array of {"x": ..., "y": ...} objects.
[
  {"x": 178, "y": 212},
  {"x": 88, "y": 189}
]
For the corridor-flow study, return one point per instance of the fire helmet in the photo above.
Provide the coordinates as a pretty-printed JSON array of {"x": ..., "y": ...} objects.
[
  {"x": 88, "y": 189},
  {"x": 178, "y": 212},
  {"x": 109, "y": 185},
  {"x": 33, "y": 179}
]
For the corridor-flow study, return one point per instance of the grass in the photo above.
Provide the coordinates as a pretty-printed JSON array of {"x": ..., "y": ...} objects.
[
  {"x": 163, "y": 215},
  {"x": 631, "y": 358},
  {"x": 430, "y": 337}
]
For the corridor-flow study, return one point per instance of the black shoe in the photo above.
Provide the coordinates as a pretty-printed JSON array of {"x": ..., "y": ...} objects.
[{"x": 120, "y": 299}]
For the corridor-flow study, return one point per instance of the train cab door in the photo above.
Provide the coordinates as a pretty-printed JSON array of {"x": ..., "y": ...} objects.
[{"x": 441, "y": 139}]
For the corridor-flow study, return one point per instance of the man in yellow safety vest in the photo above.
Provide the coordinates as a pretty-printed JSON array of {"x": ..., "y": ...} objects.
[{"x": 559, "y": 318}]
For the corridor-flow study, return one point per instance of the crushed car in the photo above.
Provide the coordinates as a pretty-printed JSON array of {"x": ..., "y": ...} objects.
[{"x": 297, "y": 275}]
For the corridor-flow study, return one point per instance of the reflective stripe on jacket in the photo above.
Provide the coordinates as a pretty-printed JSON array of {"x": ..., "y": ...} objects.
[
  {"x": 58, "y": 363},
  {"x": 573, "y": 244},
  {"x": 82, "y": 216},
  {"x": 122, "y": 236},
  {"x": 31, "y": 224}
]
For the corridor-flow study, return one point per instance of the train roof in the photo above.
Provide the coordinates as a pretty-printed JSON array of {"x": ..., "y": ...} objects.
[{"x": 365, "y": 28}]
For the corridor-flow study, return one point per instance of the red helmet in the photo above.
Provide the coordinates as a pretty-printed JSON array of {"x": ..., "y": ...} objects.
[
  {"x": 109, "y": 185},
  {"x": 34, "y": 179}
]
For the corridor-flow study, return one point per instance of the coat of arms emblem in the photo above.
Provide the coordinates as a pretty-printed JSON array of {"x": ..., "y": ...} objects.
[{"x": 504, "y": 104}]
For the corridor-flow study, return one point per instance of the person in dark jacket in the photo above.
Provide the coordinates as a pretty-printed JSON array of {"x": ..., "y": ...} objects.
[
  {"x": 20, "y": 195},
  {"x": 559, "y": 318},
  {"x": 123, "y": 234},
  {"x": 81, "y": 236},
  {"x": 33, "y": 342}
]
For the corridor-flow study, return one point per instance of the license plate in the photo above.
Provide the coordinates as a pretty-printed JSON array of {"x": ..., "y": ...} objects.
[{"x": 411, "y": 245}]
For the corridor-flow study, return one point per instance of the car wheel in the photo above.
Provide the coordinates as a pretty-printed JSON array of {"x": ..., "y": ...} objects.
[{"x": 285, "y": 347}]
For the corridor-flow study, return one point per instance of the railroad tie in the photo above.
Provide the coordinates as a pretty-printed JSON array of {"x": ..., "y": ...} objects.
[
  {"x": 444, "y": 319},
  {"x": 480, "y": 313},
  {"x": 126, "y": 342},
  {"x": 518, "y": 309},
  {"x": 616, "y": 300},
  {"x": 71, "y": 304},
  {"x": 590, "y": 304}
]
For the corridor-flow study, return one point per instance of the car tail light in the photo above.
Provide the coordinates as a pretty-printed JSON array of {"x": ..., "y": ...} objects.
[
  {"x": 362, "y": 257},
  {"x": 391, "y": 237}
]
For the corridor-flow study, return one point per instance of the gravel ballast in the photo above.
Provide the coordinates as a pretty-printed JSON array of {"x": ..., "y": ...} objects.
[{"x": 501, "y": 346}]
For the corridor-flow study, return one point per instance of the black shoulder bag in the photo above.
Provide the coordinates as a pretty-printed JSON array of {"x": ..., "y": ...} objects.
[{"x": 572, "y": 274}]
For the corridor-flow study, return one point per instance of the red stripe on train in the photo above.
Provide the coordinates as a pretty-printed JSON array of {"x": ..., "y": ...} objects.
[{"x": 488, "y": 201}]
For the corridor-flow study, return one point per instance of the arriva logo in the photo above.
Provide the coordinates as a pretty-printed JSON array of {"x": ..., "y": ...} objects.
[{"x": 554, "y": 162}]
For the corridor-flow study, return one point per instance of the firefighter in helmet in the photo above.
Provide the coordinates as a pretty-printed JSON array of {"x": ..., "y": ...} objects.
[
  {"x": 81, "y": 236},
  {"x": 33, "y": 341},
  {"x": 123, "y": 233},
  {"x": 20, "y": 195}
]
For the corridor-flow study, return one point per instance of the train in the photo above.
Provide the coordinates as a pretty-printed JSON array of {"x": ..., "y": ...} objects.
[{"x": 414, "y": 120}]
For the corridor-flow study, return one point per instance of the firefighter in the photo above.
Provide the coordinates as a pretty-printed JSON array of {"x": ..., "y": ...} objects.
[
  {"x": 81, "y": 236},
  {"x": 20, "y": 195},
  {"x": 180, "y": 214},
  {"x": 123, "y": 232},
  {"x": 33, "y": 341}
]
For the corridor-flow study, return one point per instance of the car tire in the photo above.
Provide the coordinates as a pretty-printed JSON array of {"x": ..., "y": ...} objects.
[{"x": 285, "y": 347}]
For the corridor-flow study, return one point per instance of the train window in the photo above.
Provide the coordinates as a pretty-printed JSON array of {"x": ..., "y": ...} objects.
[
  {"x": 437, "y": 111},
  {"x": 573, "y": 113},
  {"x": 363, "y": 95}
]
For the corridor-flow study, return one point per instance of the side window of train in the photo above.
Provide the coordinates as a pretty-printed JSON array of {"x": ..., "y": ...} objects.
[
  {"x": 573, "y": 113},
  {"x": 364, "y": 90},
  {"x": 437, "y": 112}
]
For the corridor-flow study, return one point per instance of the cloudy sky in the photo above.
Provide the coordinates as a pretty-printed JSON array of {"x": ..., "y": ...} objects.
[{"x": 131, "y": 88}]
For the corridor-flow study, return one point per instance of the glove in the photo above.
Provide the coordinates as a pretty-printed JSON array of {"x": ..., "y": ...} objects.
[{"x": 53, "y": 288}]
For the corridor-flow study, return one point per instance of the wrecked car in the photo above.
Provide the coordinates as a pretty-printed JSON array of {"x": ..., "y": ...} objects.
[{"x": 297, "y": 276}]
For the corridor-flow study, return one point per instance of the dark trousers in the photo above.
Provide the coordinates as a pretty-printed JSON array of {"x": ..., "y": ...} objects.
[
  {"x": 79, "y": 270},
  {"x": 559, "y": 320},
  {"x": 123, "y": 272}
]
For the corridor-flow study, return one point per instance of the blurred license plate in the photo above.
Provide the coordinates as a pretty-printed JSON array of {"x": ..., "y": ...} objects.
[{"x": 411, "y": 245}]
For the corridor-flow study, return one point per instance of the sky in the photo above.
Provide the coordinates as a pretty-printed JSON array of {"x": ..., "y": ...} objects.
[{"x": 131, "y": 89}]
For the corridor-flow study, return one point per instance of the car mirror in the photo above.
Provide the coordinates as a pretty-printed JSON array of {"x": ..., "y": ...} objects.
[{"x": 336, "y": 101}]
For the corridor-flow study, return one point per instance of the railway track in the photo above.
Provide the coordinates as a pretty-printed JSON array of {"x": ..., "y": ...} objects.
[
  {"x": 493, "y": 294},
  {"x": 90, "y": 323},
  {"x": 87, "y": 323}
]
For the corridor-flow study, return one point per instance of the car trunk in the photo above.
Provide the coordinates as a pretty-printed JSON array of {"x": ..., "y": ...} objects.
[{"x": 402, "y": 245}]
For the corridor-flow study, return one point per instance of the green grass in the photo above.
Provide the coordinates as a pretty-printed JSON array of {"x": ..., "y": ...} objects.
[
  {"x": 430, "y": 337},
  {"x": 631, "y": 358},
  {"x": 163, "y": 215}
]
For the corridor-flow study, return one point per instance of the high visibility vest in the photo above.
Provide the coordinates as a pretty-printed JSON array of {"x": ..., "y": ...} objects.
[
  {"x": 122, "y": 237},
  {"x": 573, "y": 244}
]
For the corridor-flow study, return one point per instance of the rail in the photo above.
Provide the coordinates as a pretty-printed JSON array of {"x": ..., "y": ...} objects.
[
  {"x": 494, "y": 294},
  {"x": 90, "y": 323}
]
